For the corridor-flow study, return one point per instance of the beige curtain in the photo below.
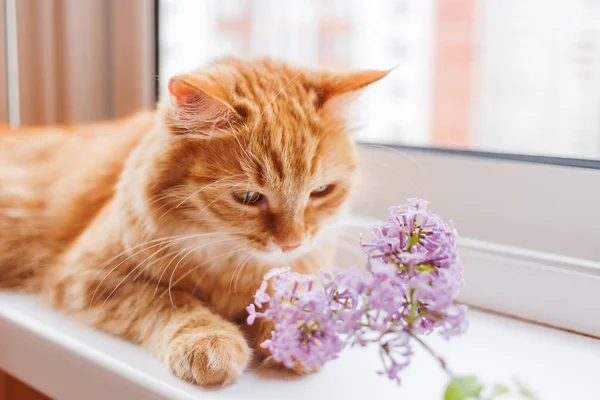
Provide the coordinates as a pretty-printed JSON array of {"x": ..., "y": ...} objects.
[
  {"x": 3, "y": 65},
  {"x": 84, "y": 60}
]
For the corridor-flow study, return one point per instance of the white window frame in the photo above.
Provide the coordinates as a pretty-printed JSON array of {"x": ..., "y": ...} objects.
[{"x": 528, "y": 243}]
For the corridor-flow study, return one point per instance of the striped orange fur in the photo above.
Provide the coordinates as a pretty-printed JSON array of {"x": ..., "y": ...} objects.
[{"x": 133, "y": 225}]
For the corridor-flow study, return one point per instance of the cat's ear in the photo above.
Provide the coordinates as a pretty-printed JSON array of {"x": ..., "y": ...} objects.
[
  {"x": 197, "y": 106},
  {"x": 337, "y": 91}
]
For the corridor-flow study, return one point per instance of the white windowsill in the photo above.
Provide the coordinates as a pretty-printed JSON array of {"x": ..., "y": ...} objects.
[{"x": 68, "y": 361}]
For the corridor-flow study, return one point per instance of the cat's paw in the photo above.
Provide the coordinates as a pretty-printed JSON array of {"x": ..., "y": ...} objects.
[
  {"x": 298, "y": 368},
  {"x": 208, "y": 358}
]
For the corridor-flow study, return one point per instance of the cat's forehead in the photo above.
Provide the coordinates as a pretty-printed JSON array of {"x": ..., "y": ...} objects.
[
  {"x": 297, "y": 161},
  {"x": 282, "y": 127},
  {"x": 283, "y": 136},
  {"x": 284, "y": 157},
  {"x": 266, "y": 87}
]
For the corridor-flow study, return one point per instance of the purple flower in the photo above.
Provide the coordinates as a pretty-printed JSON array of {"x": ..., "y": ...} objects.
[
  {"x": 456, "y": 323},
  {"x": 306, "y": 310},
  {"x": 412, "y": 277},
  {"x": 252, "y": 314}
]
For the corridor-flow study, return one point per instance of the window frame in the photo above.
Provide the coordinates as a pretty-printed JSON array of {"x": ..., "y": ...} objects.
[
  {"x": 519, "y": 276},
  {"x": 530, "y": 158}
]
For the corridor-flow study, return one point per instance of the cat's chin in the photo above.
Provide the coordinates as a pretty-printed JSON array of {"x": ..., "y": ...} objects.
[{"x": 277, "y": 257}]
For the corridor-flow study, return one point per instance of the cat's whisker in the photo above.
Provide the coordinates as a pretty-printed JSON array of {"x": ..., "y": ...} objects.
[
  {"x": 208, "y": 269},
  {"x": 128, "y": 249},
  {"x": 136, "y": 253},
  {"x": 234, "y": 250},
  {"x": 248, "y": 153},
  {"x": 396, "y": 171},
  {"x": 167, "y": 201},
  {"x": 135, "y": 268},
  {"x": 240, "y": 273},
  {"x": 181, "y": 191},
  {"x": 208, "y": 205},
  {"x": 401, "y": 153},
  {"x": 121, "y": 263},
  {"x": 241, "y": 211},
  {"x": 163, "y": 269},
  {"x": 206, "y": 187},
  {"x": 162, "y": 257},
  {"x": 239, "y": 264},
  {"x": 163, "y": 242},
  {"x": 181, "y": 260},
  {"x": 159, "y": 280},
  {"x": 158, "y": 242},
  {"x": 166, "y": 267},
  {"x": 236, "y": 269},
  {"x": 167, "y": 195},
  {"x": 218, "y": 198}
]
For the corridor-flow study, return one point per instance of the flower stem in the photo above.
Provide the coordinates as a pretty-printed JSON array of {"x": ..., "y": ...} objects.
[
  {"x": 412, "y": 303},
  {"x": 433, "y": 354}
]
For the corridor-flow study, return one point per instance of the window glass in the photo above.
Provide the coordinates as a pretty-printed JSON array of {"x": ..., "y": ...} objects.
[{"x": 509, "y": 76}]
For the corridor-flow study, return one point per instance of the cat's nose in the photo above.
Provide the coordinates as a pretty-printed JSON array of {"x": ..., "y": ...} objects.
[{"x": 289, "y": 246}]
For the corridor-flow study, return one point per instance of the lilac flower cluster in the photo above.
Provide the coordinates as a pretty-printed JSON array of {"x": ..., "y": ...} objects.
[
  {"x": 412, "y": 278},
  {"x": 305, "y": 328}
]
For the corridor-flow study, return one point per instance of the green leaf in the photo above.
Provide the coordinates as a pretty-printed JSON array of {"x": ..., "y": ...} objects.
[
  {"x": 499, "y": 390},
  {"x": 463, "y": 388}
]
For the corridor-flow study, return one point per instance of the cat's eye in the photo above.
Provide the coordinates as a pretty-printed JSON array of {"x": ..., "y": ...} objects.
[
  {"x": 321, "y": 191},
  {"x": 248, "y": 198}
]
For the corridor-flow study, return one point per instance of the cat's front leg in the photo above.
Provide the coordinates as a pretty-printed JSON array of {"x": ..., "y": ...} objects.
[
  {"x": 201, "y": 347},
  {"x": 196, "y": 344}
]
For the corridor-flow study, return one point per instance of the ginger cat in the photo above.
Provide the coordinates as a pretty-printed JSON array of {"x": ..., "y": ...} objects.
[{"x": 159, "y": 227}]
